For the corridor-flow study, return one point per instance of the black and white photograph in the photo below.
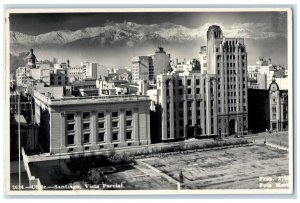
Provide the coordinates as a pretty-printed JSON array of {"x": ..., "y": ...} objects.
[{"x": 149, "y": 101}]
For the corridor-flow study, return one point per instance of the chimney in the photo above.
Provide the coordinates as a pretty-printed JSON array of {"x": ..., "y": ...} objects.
[
  {"x": 269, "y": 60},
  {"x": 68, "y": 63},
  {"x": 31, "y": 51}
]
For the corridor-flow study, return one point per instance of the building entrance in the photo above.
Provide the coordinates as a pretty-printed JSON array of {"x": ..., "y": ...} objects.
[{"x": 232, "y": 127}]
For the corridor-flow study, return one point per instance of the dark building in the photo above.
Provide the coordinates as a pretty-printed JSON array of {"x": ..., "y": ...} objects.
[{"x": 259, "y": 111}]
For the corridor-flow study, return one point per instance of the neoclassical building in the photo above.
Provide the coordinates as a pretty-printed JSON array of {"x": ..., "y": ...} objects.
[{"x": 86, "y": 124}]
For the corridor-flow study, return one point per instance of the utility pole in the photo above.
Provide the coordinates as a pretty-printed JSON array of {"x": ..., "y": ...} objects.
[{"x": 19, "y": 142}]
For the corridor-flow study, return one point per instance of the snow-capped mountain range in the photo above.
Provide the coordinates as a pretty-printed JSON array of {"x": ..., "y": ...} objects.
[{"x": 130, "y": 33}]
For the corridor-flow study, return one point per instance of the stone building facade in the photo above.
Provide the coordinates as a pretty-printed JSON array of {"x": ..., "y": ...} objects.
[
  {"x": 278, "y": 107},
  {"x": 85, "y": 124}
]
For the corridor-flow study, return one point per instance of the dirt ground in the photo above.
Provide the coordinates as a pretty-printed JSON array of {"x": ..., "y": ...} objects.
[{"x": 233, "y": 168}]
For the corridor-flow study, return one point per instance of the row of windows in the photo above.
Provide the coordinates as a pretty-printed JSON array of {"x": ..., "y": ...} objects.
[
  {"x": 189, "y": 82},
  {"x": 180, "y": 91},
  {"x": 86, "y": 125},
  {"x": 180, "y": 104},
  {"x": 87, "y": 115},
  {"x": 101, "y": 137}
]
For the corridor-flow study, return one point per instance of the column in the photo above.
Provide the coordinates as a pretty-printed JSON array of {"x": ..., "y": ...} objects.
[
  {"x": 185, "y": 111},
  {"x": 194, "y": 109},
  {"x": 94, "y": 128},
  {"x": 63, "y": 130},
  {"x": 108, "y": 126},
  {"x": 171, "y": 109},
  {"x": 215, "y": 109},
  {"x": 148, "y": 127},
  {"x": 208, "y": 107},
  {"x": 225, "y": 95},
  {"x": 176, "y": 112},
  {"x": 278, "y": 110},
  {"x": 281, "y": 113},
  {"x": 202, "y": 109},
  {"x": 78, "y": 132},
  {"x": 122, "y": 126},
  {"x": 164, "y": 112},
  {"x": 136, "y": 126}
]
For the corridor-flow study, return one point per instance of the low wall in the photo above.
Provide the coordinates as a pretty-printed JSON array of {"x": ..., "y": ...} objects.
[
  {"x": 160, "y": 149},
  {"x": 34, "y": 183}
]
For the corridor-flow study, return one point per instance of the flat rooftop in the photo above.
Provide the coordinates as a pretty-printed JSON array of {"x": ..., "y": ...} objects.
[{"x": 89, "y": 99}]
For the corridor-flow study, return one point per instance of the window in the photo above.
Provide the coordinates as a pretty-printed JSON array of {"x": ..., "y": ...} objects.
[
  {"x": 101, "y": 137},
  {"x": 180, "y": 92},
  {"x": 180, "y": 82},
  {"x": 128, "y": 113},
  {"x": 197, "y": 90},
  {"x": 180, "y": 104},
  {"x": 115, "y": 124},
  {"x": 198, "y": 112},
  {"x": 115, "y": 136},
  {"x": 181, "y": 122},
  {"x": 86, "y": 126},
  {"x": 86, "y": 115},
  {"x": 86, "y": 137},
  {"x": 188, "y": 82},
  {"x": 70, "y": 117},
  {"x": 189, "y": 91},
  {"x": 101, "y": 125},
  {"x": 115, "y": 114},
  {"x": 181, "y": 113},
  {"x": 197, "y": 81},
  {"x": 128, "y": 122},
  {"x": 128, "y": 135},
  {"x": 189, "y": 113},
  {"x": 189, "y": 104},
  {"x": 70, "y": 127},
  {"x": 70, "y": 139},
  {"x": 101, "y": 115}
]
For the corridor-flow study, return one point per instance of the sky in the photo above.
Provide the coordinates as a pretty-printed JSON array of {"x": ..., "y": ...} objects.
[{"x": 181, "y": 34}]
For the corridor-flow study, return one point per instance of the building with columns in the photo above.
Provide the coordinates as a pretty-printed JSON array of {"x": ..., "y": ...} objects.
[
  {"x": 210, "y": 103},
  {"x": 87, "y": 124}
]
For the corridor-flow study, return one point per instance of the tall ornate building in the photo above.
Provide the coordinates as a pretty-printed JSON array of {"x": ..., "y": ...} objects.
[{"x": 226, "y": 84}]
